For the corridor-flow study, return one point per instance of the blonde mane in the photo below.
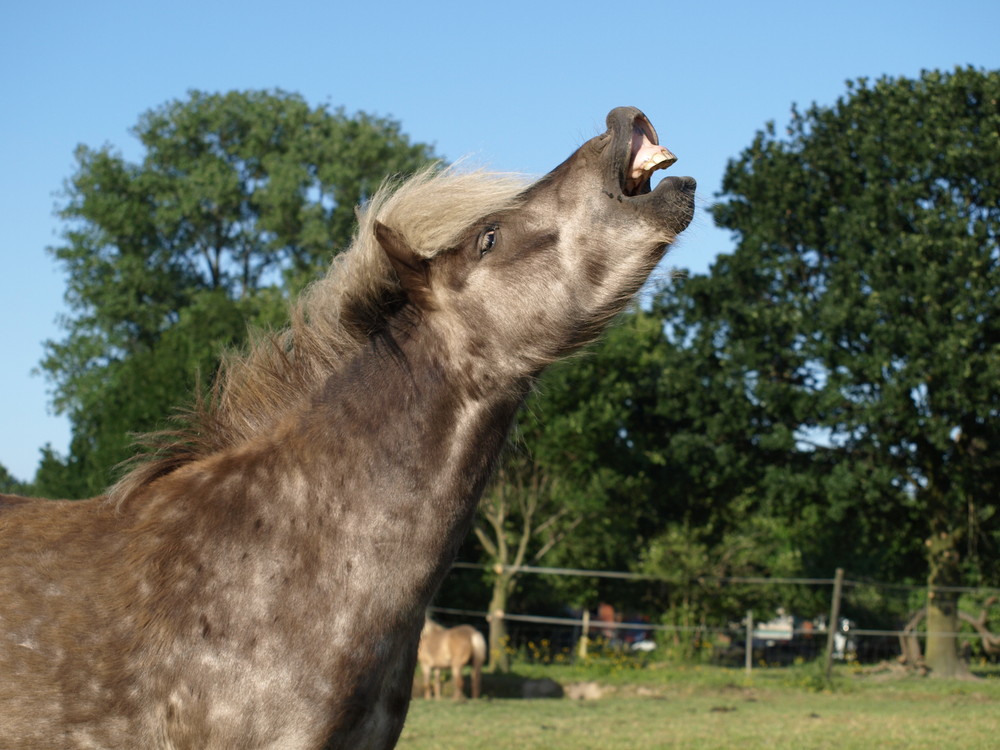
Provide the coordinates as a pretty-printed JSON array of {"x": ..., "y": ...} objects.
[{"x": 331, "y": 321}]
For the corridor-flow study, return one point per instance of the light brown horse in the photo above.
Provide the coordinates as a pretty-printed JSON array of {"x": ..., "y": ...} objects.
[
  {"x": 260, "y": 580},
  {"x": 450, "y": 648}
]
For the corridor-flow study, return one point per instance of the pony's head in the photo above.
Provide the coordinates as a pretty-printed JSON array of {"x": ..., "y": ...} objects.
[{"x": 543, "y": 273}]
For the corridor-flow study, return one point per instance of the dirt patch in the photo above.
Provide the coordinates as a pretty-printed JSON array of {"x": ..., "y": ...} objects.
[{"x": 584, "y": 691}]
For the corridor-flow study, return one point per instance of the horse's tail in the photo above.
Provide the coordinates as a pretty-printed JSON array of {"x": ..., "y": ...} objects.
[
  {"x": 478, "y": 659},
  {"x": 478, "y": 649}
]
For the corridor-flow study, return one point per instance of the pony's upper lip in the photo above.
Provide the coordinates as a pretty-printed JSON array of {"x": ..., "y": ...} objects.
[{"x": 645, "y": 156}]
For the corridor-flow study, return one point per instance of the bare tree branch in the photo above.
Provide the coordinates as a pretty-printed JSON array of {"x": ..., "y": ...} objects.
[
  {"x": 557, "y": 538},
  {"x": 991, "y": 641}
]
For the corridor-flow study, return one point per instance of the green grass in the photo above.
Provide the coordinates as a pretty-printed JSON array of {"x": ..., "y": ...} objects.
[{"x": 709, "y": 707}]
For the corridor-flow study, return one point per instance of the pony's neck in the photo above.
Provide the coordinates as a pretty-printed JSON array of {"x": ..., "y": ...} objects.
[{"x": 402, "y": 447}]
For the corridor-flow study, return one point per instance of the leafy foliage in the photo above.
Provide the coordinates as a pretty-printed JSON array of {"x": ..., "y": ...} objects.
[
  {"x": 860, "y": 311},
  {"x": 861, "y": 303},
  {"x": 9, "y": 484},
  {"x": 574, "y": 484}
]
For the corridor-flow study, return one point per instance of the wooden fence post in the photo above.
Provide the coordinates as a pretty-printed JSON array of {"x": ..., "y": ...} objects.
[
  {"x": 748, "y": 661},
  {"x": 584, "y": 636},
  {"x": 834, "y": 625}
]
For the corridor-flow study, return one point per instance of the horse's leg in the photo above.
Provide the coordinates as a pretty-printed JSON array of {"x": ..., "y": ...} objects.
[
  {"x": 456, "y": 673},
  {"x": 437, "y": 683},
  {"x": 477, "y": 677},
  {"x": 426, "y": 672}
]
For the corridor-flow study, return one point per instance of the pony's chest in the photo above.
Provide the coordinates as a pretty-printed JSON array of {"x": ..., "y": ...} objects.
[{"x": 377, "y": 729}]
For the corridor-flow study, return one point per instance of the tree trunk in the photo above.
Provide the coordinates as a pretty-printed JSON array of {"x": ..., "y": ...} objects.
[
  {"x": 499, "y": 658},
  {"x": 941, "y": 655},
  {"x": 909, "y": 643}
]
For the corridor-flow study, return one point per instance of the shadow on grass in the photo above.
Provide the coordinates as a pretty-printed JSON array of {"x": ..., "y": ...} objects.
[{"x": 509, "y": 685}]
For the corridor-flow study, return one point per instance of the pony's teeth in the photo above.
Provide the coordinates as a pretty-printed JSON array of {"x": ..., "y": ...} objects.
[{"x": 658, "y": 158}]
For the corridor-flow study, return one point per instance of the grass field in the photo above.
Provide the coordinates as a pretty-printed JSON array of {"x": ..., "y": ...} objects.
[{"x": 706, "y": 708}]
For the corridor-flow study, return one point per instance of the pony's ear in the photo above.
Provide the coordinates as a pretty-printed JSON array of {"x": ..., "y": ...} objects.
[{"x": 412, "y": 270}]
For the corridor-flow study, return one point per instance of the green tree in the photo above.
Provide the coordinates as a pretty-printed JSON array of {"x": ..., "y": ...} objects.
[
  {"x": 9, "y": 484},
  {"x": 640, "y": 454},
  {"x": 692, "y": 565},
  {"x": 573, "y": 489},
  {"x": 860, "y": 313},
  {"x": 239, "y": 197}
]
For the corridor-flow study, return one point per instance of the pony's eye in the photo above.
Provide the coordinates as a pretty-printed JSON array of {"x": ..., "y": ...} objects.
[{"x": 487, "y": 241}]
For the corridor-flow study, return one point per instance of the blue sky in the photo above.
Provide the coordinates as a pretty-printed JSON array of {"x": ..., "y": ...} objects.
[{"x": 516, "y": 85}]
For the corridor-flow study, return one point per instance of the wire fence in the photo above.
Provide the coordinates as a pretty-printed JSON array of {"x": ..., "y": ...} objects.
[{"x": 747, "y": 622}]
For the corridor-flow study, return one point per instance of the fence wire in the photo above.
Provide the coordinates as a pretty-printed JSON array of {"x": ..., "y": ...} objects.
[{"x": 737, "y": 621}]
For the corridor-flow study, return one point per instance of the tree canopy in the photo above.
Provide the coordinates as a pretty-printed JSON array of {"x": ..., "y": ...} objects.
[
  {"x": 239, "y": 198},
  {"x": 859, "y": 316},
  {"x": 9, "y": 484}
]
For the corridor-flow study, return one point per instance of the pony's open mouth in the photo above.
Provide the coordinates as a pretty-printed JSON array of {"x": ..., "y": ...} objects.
[{"x": 646, "y": 156}]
